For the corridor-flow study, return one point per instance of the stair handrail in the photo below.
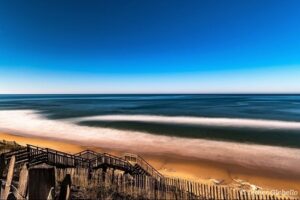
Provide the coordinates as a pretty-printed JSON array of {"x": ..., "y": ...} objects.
[
  {"x": 141, "y": 161},
  {"x": 75, "y": 160},
  {"x": 60, "y": 153},
  {"x": 85, "y": 152},
  {"x": 14, "y": 151},
  {"x": 123, "y": 161},
  {"x": 104, "y": 158}
]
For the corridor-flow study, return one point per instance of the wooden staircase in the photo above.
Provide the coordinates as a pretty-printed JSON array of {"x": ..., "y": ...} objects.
[
  {"x": 33, "y": 155},
  {"x": 141, "y": 166}
]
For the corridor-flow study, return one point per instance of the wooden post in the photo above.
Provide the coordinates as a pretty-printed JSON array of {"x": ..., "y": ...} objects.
[
  {"x": 202, "y": 190},
  {"x": 2, "y": 167},
  {"x": 65, "y": 188},
  {"x": 10, "y": 174},
  {"x": 41, "y": 182},
  {"x": 23, "y": 181}
]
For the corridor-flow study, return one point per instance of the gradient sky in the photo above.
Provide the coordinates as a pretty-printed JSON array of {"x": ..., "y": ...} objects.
[{"x": 149, "y": 46}]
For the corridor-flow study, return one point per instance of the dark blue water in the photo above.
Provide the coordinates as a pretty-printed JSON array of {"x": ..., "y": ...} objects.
[{"x": 267, "y": 107}]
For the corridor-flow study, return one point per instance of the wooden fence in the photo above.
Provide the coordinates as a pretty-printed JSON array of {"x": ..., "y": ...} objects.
[
  {"x": 146, "y": 187},
  {"x": 86, "y": 176}
]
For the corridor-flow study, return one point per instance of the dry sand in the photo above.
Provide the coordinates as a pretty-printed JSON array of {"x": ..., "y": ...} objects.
[{"x": 184, "y": 167}]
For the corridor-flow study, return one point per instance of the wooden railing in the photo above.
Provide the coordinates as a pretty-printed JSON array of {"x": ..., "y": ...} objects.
[
  {"x": 148, "y": 168},
  {"x": 36, "y": 155},
  {"x": 58, "y": 158},
  {"x": 111, "y": 161},
  {"x": 89, "y": 154},
  {"x": 144, "y": 165},
  {"x": 21, "y": 155}
]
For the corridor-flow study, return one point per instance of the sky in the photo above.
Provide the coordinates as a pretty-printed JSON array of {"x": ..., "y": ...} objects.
[{"x": 150, "y": 46}]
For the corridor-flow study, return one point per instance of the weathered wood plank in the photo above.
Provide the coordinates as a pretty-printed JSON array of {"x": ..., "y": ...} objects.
[
  {"x": 23, "y": 182},
  {"x": 41, "y": 182},
  {"x": 2, "y": 168},
  {"x": 10, "y": 173}
]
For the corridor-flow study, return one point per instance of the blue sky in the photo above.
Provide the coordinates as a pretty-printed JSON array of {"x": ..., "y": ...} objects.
[{"x": 150, "y": 46}]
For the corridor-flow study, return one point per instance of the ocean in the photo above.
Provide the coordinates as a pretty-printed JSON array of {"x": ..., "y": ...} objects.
[{"x": 251, "y": 119}]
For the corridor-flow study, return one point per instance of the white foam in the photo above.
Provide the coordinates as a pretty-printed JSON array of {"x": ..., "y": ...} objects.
[
  {"x": 231, "y": 122},
  {"x": 30, "y": 123}
]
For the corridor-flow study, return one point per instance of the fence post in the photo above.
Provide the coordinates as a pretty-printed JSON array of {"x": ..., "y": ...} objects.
[
  {"x": 65, "y": 188},
  {"x": 23, "y": 182},
  {"x": 2, "y": 167},
  {"x": 10, "y": 174}
]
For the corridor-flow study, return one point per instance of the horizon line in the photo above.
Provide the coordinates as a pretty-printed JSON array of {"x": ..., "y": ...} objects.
[{"x": 160, "y": 93}]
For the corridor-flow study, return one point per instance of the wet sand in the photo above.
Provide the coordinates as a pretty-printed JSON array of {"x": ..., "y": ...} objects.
[{"x": 182, "y": 166}]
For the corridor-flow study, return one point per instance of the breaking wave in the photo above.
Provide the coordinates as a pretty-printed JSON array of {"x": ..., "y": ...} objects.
[
  {"x": 31, "y": 124},
  {"x": 221, "y": 122}
]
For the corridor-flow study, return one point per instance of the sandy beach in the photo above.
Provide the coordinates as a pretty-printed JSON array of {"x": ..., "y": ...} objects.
[
  {"x": 206, "y": 92},
  {"x": 182, "y": 166}
]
